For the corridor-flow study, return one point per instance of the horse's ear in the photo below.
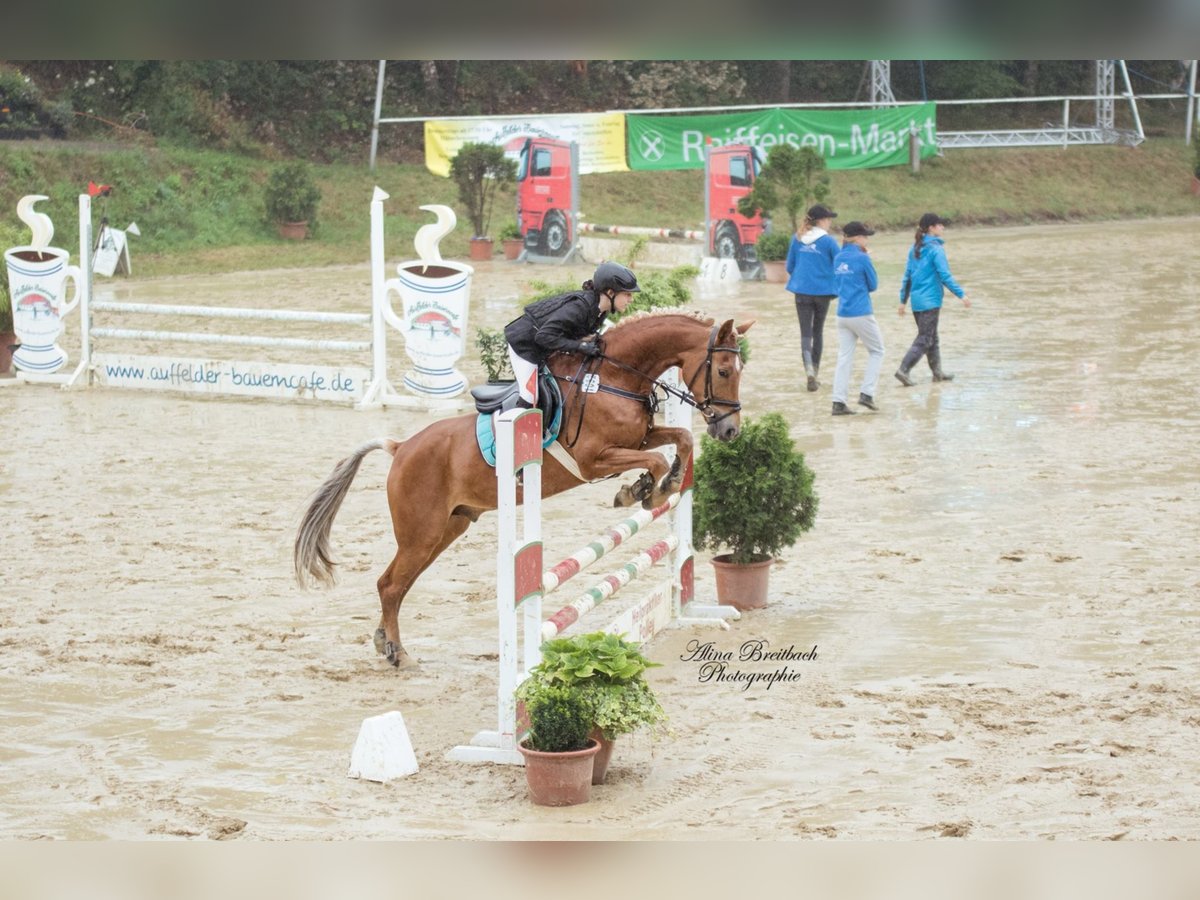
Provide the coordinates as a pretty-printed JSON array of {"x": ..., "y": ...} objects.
[
  {"x": 746, "y": 326},
  {"x": 725, "y": 334}
]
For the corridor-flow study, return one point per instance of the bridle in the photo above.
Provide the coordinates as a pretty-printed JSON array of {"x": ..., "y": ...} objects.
[{"x": 651, "y": 399}]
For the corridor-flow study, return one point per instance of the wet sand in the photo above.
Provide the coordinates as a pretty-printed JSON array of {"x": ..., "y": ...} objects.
[{"x": 1001, "y": 585}]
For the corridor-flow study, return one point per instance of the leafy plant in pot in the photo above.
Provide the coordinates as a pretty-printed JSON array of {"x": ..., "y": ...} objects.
[
  {"x": 607, "y": 671},
  {"x": 291, "y": 198},
  {"x": 511, "y": 240},
  {"x": 479, "y": 170},
  {"x": 558, "y": 752},
  {"x": 493, "y": 353},
  {"x": 772, "y": 250},
  {"x": 753, "y": 495}
]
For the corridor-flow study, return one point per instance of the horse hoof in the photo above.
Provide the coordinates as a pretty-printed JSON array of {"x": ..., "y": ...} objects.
[
  {"x": 398, "y": 656},
  {"x": 380, "y": 638},
  {"x": 624, "y": 497}
]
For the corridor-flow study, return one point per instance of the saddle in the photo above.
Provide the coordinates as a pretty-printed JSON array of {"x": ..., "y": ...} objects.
[{"x": 498, "y": 398}]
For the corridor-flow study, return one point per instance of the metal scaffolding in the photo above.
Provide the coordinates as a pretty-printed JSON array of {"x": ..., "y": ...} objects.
[{"x": 881, "y": 83}]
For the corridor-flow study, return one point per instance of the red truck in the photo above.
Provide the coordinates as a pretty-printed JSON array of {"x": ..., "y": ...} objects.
[
  {"x": 729, "y": 173},
  {"x": 547, "y": 194}
]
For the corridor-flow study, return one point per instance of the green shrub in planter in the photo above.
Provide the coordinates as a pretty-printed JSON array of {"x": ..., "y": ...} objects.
[
  {"x": 559, "y": 720},
  {"x": 753, "y": 495},
  {"x": 606, "y": 670},
  {"x": 772, "y": 246},
  {"x": 291, "y": 195},
  {"x": 510, "y": 232},
  {"x": 478, "y": 170},
  {"x": 6, "y": 319}
]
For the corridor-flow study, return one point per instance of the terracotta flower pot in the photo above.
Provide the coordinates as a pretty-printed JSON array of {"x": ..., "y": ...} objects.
[
  {"x": 775, "y": 270},
  {"x": 481, "y": 248},
  {"x": 742, "y": 585},
  {"x": 559, "y": 779},
  {"x": 8, "y": 341},
  {"x": 292, "y": 231},
  {"x": 600, "y": 763},
  {"x": 512, "y": 247}
]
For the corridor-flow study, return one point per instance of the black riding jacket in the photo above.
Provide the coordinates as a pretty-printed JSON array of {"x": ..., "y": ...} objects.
[{"x": 553, "y": 324}]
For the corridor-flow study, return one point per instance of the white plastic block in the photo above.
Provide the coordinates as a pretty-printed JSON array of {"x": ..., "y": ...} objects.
[{"x": 383, "y": 750}]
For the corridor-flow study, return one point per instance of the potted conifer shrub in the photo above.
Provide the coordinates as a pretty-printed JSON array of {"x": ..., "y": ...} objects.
[
  {"x": 607, "y": 672},
  {"x": 1196, "y": 166},
  {"x": 753, "y": 496},
  {"x": 558, "y": 752},
  {"x": 493, "y": 353},
  {"x": 291, "y": 198},
  {"x": 479, "y": 170}
]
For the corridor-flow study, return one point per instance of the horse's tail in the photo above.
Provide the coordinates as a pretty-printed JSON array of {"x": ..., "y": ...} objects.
[{"x": 311, "y": 556}]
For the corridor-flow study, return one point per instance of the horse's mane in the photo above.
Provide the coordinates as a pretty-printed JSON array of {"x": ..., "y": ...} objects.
[{"x": 662, "y": 313}]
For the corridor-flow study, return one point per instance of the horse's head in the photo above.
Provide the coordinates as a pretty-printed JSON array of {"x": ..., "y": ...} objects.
[{"x": 716, "y": 377}]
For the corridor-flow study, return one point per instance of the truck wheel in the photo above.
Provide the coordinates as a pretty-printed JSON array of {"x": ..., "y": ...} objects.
[
  {"x": 727, "y": 244},
  {"x": 554, "y": 233}
]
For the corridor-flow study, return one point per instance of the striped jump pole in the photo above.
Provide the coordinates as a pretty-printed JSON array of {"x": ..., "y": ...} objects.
[{"x": 521, "y": 582}]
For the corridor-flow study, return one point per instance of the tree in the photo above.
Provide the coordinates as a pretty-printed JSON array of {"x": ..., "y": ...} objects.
[
  {"x": 478, "y": 170},
  {"x": 793, "y": 179}
]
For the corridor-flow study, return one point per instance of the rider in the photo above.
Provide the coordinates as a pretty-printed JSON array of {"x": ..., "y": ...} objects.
[{"x": 556, "y": 324}]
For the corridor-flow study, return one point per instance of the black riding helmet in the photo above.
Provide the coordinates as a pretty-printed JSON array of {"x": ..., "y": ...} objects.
[{"x": 614, "y": 276}]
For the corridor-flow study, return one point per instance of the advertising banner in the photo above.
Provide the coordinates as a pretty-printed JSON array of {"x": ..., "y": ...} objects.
[
  {"x": 600, "y": 136},
  {"x": 847, "y": 139}
]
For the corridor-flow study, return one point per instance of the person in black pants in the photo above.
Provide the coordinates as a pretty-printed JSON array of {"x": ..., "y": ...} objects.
[{"x": 810, "y": 271}]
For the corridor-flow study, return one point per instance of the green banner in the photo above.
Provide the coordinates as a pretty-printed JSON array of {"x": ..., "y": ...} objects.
[{"x": 846, "y": 138}]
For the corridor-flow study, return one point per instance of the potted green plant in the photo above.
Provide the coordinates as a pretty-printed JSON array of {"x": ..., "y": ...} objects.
[
  {"x": 558, "y": 752},
  {"x": 291, "y": 198},
  {"x": 754, "y": 496},
  {"x": 792, "y": 179},
  {"x": 607, "y": 671},
  {"x": 772, "y": 251},
  {"x": 479, "y": 170},
  {"x": 493, "y": 353},
  {"x": 511, "y": 240}
]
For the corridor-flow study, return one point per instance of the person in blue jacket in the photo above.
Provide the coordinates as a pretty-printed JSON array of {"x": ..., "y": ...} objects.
[
  {"x": 856, "y": 278},
  {"x": 810, "y": 270},
  {"x": 926, "y": 277}
]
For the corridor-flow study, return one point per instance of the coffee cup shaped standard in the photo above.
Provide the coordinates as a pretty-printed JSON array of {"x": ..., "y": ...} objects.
[
  {"x": 36, "y": 285},
  {"x": 436, "y": 298}
]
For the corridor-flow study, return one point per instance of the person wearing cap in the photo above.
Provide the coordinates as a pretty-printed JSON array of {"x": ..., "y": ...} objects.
[
  {"x": 856, "y": 278},
  {"x": 926, "y": 276},
  {"x": 810, "y": 278},
  {"x": 557, "y": 324}
]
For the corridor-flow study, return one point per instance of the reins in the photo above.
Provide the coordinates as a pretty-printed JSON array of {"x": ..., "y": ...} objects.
[{"x": 651, "y": 400}]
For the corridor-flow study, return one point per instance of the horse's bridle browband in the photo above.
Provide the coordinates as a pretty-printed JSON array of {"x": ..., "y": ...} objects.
[{"x": 704, "y": 407}]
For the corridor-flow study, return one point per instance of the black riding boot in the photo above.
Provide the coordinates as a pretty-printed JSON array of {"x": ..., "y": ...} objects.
[
  {"x": 935, "y": 365},
  {"x": 911, "y": 358}
]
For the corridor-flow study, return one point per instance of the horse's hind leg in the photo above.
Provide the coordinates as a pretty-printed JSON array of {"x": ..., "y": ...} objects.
[{"x": 412, "y": 558}]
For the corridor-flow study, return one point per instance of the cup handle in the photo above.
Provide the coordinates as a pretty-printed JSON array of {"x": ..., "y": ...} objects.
[
  {"x": 392, "y": 286},
  {"x": 75, "y": 276}
]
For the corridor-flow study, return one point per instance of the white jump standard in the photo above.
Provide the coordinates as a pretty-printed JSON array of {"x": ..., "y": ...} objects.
[{"x": 522, "y": 582}]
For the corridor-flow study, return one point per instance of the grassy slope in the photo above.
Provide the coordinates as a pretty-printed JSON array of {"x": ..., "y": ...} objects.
[{"x": 202, "y": 211}]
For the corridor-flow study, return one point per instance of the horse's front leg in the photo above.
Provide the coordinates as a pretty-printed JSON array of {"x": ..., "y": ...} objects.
[
  {"x": 660, "y": 481},
  {"x": 681, "y": 438}
]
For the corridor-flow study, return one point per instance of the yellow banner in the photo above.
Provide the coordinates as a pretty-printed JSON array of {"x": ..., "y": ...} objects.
[{"x": 601, "y": 138}]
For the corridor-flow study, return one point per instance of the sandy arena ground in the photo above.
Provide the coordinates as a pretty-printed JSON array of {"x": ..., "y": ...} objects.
[{"x": 1001, "y": 585}]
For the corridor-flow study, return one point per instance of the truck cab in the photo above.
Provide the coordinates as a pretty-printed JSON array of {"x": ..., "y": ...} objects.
[
  {"x": 546, "y": 187},
  {"x": 730, "y": 171}
]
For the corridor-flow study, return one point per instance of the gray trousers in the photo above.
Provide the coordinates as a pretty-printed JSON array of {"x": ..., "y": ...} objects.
[{"x": 850, "y": 332}]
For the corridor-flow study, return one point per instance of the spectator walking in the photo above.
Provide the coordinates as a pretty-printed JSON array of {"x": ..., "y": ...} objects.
[
  {"x": 926, "y": 277},
  {"x": 810, "y": 278},
  {"x": 856, "y": 279}
]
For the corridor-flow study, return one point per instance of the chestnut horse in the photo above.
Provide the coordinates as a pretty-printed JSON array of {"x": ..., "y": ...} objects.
[{"x": 439, "y": 483}]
